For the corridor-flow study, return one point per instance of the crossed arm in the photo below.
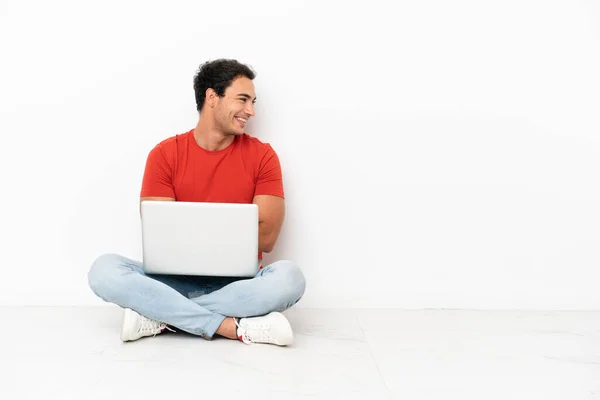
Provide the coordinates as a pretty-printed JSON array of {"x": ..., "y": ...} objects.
[{"x": 271, "y": 213}]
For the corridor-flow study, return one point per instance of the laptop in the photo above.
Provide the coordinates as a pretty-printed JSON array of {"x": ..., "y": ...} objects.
[{"x": 203, "y": 239}]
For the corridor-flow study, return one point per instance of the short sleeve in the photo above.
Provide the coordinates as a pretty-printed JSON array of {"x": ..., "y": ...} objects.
[
  {"x": 270, "y": 180},
  {"x": 158, "y": 176}
]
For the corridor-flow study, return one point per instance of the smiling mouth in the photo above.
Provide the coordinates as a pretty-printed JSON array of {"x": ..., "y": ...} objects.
[{"x": 242, "y": 120}]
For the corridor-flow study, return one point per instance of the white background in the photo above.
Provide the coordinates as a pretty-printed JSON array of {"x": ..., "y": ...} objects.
[{"x": 435, "y": 154}]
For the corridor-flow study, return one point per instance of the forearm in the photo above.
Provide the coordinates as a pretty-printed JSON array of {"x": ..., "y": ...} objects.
[
  {"x": 266, "y": 239},
  {"x": 271, "y": 211}
]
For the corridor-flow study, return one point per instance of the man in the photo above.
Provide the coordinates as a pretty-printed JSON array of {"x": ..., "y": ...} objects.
[{"x": 214, "y": 162}]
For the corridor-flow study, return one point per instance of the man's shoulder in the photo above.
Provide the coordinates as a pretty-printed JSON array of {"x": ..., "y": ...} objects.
[
  {"x": 254, "y": 143},
  {"x": 172, "y": 143}
]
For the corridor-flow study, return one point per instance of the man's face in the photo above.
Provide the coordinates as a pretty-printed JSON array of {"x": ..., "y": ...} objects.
[{"x": 235, "y": 108}]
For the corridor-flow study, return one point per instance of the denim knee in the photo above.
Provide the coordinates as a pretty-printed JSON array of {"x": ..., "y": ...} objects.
[
  {"x": 100, "y": 273},
  {"x": 290, "y": 281}
]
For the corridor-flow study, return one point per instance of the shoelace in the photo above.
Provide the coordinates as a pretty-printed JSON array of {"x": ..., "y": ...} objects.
[
  {"x": 151, "y": 326},
  {"x": 254, "y": 333}
]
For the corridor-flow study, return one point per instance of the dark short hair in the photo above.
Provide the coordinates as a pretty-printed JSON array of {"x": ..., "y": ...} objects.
[{"x": 218, "y": 75}]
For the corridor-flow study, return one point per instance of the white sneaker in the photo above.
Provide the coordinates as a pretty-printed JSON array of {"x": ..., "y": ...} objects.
[
  {"x": 273, "y": 328},
  {"x": 136, "y": 326}
]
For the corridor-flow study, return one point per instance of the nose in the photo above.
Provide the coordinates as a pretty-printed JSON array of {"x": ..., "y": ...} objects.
[{"x": 250, "y": 109}]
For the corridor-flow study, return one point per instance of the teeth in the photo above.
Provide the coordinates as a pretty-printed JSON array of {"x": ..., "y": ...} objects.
[{"x": 241, "y": 119}]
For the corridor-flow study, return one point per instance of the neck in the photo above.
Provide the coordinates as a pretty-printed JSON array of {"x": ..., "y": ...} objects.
[{"x": 210, "y": 138}]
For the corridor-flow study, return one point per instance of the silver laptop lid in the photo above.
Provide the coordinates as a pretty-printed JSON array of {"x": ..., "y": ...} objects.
[{"x": 193, "y": 238}]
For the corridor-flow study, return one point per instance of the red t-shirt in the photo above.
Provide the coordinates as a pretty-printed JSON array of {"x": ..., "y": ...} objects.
[{"x": 177, "y": 167}]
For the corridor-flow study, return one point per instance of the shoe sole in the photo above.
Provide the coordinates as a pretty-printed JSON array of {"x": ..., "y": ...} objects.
[{"x": 128, "y": 320}]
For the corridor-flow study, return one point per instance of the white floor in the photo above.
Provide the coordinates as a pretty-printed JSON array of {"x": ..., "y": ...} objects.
[{"x": 75, "y": 353}]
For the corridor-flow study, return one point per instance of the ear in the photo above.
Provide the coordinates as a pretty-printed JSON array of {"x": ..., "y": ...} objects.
[{"x": 211, "y": 97}]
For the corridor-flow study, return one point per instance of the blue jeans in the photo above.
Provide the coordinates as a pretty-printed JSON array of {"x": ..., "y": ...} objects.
[{"x": 195, "y": 304}]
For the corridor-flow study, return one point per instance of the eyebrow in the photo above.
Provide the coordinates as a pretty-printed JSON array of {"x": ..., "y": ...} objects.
[{"x": 246, "y": 96}]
